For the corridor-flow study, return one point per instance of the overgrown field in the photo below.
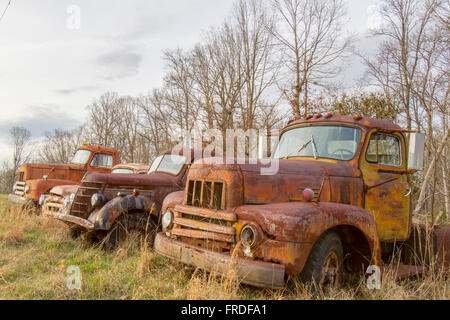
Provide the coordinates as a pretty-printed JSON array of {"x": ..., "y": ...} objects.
[{"x": 35, "y": 253}]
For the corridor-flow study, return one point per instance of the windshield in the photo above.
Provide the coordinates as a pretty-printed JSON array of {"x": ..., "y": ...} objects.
[
  {"x": 122, "y": 170},
  {"x": 81, "y": 157},
  {"x": 168, "y": 163},
  {"x": 333, "y": 142}
]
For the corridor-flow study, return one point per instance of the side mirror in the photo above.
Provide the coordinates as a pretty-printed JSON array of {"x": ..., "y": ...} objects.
[{"x": 415, "y": 151}]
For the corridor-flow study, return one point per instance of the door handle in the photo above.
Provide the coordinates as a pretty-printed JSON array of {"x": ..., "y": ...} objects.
[{"x": 409, "y": 192}]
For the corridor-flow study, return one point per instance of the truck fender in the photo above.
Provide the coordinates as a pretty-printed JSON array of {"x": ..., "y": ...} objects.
[
  {"x": 303, "y": 223},
  {"x": 104, "y": 218}
]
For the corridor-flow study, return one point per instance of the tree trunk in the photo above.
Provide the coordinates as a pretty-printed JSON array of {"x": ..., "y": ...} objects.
[{"x": 429, "y": 174}]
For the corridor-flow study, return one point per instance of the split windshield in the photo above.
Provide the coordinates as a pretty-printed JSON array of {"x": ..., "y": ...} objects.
[
  {"x": 332, "y": 142},
  {"x": 81, "y": 157},
  {"x": 168, "y": 163}
]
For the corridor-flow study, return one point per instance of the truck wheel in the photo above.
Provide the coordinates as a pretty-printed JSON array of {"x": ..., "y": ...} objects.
[
  {"x": 325, "y": 262},
  {"x": 75, "y": 233},
  {"x": 139, "y": 222}
]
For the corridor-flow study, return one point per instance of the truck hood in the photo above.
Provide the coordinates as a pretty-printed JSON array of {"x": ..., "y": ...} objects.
[
  {"x": 64, "y": 190},
  {"x": 287, "y": 183},
  {"x": 140, "y": 181},
  {"x": 38, "y": 170}
]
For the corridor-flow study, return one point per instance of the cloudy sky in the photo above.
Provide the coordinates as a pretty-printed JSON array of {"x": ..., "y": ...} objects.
[{"x": 56, "y": 56}]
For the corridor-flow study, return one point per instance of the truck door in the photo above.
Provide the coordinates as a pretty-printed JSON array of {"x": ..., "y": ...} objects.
[{"x": 387, "y": 189}]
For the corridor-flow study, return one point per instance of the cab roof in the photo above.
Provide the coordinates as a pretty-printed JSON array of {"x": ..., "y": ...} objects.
[
  {"x": 348, "y": 119},
  {"x": 137, "y": 167},
  {"x": 96, "y": 148}
]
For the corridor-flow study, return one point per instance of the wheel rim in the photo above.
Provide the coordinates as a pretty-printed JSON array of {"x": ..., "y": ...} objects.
[{"x": 330, "y": 270}]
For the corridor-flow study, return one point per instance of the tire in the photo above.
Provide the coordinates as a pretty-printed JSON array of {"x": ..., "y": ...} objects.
[
  {"x": 327, "y": 251},
  {"x": 140, "y": 222},
  {"x": 75, "y": 233}
]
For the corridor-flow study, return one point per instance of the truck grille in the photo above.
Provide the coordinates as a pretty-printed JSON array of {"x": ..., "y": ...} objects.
[
  {"x": 205, "y": 194},
  {"x": 19, "y": 189},
  {"x": 81, "y": 205},
  {"x": 53, "y": 204},
  {"x": 199, "y": 225}
]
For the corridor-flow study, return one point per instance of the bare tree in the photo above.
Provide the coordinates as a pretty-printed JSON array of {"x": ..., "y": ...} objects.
[
  {"x": 253, "y": 28},
  {"x": 404, "y": 31},
  {"x": 59, "y": 146},
  {"x": 314, "y": 41},
  {"x": 20, "y": 139},
  {"x": 104, "y": 116},
  {"x": 155, "y": 128}
]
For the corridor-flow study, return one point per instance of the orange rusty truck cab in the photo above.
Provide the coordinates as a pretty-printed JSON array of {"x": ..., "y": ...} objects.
[
  {"x": 339, "y": 200},
  {"x": 36, "y": 179}
]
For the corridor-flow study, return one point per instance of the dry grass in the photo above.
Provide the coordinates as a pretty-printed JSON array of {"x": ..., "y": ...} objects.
[{"x": 35, "y": 253}]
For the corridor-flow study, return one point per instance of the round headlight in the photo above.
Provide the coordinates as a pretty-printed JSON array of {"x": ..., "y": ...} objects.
[
  {"x": 167, "y": 220},
  {"x": 248, "y": 236},
  {"x": 98, "y": 200},
  {"x": 27, "y": 188}
]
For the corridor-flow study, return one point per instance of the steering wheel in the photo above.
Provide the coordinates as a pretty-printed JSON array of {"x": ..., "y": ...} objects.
[{"x": 342, "y": 151}]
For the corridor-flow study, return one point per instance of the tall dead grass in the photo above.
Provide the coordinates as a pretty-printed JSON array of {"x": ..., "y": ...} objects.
[{"x": 35, "y": 253}]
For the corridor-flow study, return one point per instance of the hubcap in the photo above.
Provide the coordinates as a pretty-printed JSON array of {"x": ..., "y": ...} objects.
[{"x": 330, "y": 270}]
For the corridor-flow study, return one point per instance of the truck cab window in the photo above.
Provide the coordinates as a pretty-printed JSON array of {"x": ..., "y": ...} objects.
[
  {"x": 81, "y": 157},
  {"x": 384, "y": 149},
  {"x": 102, "y": 160}
]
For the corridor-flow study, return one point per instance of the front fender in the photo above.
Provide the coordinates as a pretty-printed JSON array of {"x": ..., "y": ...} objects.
[
  {"x": 303, "y": 223},
  {"x": 104, "y": 218},
  {"x": 172, "y": 199}
]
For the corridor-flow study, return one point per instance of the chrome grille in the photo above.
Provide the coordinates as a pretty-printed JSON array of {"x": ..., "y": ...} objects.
[
  {"x": 81, "y": 205},
  {"x": 19, "y": 188},
  {"x": 53, "y": 204},
  {"x": 204, "y": 224}
]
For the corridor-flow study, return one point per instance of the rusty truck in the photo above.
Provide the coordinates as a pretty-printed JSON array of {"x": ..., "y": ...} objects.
[
  {"x": 107, "y": 206},
  {"x": 36, "y": 179},
  {"x": 339, "y": 202},
  {"x": 55, "y": 199}
]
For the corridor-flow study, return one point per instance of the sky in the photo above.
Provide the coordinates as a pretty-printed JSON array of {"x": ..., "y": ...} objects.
[{"x": 57, "y": 56}]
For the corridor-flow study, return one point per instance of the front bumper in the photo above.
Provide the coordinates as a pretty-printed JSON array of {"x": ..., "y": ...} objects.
[
  {"x": 16, "y": 199},
  {"x": 255, "y": 273},
  {"x": 70, "y": 219}
]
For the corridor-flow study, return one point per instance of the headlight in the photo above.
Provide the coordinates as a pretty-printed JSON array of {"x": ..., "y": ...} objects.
[
  {"x": 248, "y": 236},
  {"x": 27, "y": 188},
  {"x": 167, "y": 220},
  {"x": 98, "y": 200}
]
